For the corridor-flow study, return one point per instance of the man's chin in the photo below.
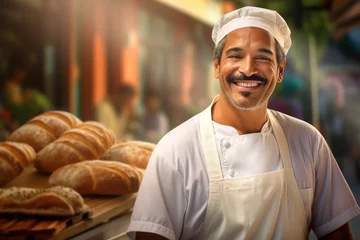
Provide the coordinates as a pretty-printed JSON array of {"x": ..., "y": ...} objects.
[{"x": 244, "y": 106}]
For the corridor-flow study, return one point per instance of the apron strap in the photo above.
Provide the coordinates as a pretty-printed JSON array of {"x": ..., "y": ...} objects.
[
  {"x": 209, "y": 144},
  {"x": 281, "y": 140}
]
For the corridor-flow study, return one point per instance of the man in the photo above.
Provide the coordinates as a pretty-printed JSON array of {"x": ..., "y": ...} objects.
[
  {"x": 155, "y": 122},
  {"x": 12, "y": 93},
  {"x": 116, "y": 110},
  {"x": 238, "y": 170}
]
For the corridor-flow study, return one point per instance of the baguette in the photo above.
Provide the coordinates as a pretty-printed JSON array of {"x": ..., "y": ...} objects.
[
  {"x": 135, "y": 153},
  {"x": 44, "y": 129},
  {"x": 14, "y": 157},
  {"x": 55, "y": 201},
  {"x": 86, "y": 142},
  {"x": 98, "y": 178}
]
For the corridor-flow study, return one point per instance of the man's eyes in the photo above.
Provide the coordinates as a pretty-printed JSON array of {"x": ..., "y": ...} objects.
[
  {"x": 263, "y": 58},
  {"x": 235, "y": 56}
]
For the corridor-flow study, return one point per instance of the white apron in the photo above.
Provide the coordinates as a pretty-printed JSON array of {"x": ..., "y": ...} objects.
[{"x": 263, "y": 206}]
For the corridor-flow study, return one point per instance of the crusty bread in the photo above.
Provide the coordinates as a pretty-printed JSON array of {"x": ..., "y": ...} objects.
[
  {"x": 135, "y": 153},
  {"x": 54, "y": 201},
  {"x": 98, "y": 177},
  {"x": 14, "y": 157},
  {"x": 44, "y": 129},
  {"x": 86, "y": 142}
]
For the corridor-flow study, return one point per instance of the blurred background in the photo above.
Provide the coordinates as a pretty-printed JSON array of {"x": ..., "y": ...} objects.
[{"x": 142, "y": 67}]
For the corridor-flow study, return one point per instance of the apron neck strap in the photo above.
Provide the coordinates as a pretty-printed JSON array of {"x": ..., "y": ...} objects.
[
  {"x": 281, "y": 140},
  {"x": 209, "y": 143}
]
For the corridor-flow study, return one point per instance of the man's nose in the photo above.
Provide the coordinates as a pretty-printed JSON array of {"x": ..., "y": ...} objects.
[{"x": 248, "y": 66}]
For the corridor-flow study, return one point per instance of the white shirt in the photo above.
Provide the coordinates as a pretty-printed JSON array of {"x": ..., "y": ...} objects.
[{"x": 172, "y": 199}]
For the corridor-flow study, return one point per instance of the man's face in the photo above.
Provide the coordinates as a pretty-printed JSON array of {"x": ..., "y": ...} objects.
[
  {"x": 152, "y": 104},
  {"x": 248, "y": 71}
]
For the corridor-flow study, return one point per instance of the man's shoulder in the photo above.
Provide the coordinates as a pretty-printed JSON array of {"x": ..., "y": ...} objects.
[
  {"x": 294, "y": 125},
  {"x": 181, "y": 147},
  {"x": 183, "y": 135},
  {"x": 301, "y": 135}
]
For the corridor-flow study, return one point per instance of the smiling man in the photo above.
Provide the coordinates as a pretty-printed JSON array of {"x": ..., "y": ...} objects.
[{"x": 239, "y": 170}]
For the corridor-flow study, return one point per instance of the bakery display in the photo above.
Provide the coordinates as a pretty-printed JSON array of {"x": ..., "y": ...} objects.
[
  {"x": 39, "y": 205},
  {"x": 88, "y": 141},
  {"x": 135, "y": 153},
  {"x": 54, "y": 201},
  {"x": 44, "y": 129},
  {"x": 98, "y": 177},
  {"x": 14, "y": 157}
]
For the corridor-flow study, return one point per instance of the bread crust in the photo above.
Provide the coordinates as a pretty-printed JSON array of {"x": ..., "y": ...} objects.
[
  {"x": 135, "y": 153},
  {"x": 14, "y": 157},
  {"x": 87, "y": 142},
  {"x": 44, "y": 128},
  {"x": 54, "y": 201},
  {"x": 98, "y": 177}
]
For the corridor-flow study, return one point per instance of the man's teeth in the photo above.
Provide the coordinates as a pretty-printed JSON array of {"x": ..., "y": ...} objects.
[{"x": 242, "y": 84}]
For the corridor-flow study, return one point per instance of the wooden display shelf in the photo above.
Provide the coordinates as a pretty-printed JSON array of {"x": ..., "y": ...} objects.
[{"x": 100, "y": 210}]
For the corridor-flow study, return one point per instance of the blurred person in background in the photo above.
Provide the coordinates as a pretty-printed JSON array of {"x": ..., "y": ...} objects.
[
  {"x": 12, "y": 91},
  {"x": 155, "y": 122},
  {"x": 239, "y": 170},
  {"x": 175, "y": 108},
  {"x": 21, "y": 104},
  {"x": 117, "y": 111}
]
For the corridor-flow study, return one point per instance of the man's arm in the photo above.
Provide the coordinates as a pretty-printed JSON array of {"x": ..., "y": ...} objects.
[
  {"x": 161, "y": 201},
  {"x": 343, "y": 232},
  {"x": 148, "y": 236}
]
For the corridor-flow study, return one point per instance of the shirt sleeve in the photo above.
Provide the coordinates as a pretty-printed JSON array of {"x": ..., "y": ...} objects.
[
  {"x": 334, "y": 204},
  {"x": 160, "y": 204}
]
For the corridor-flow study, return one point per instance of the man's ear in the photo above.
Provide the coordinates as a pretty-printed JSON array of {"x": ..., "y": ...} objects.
[
  {"x": 281, "y": 71},
  {"x": 216, "y": 68}
]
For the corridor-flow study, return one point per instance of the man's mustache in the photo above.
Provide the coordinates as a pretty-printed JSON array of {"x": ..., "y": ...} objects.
[{"x": 254, "y": 77}]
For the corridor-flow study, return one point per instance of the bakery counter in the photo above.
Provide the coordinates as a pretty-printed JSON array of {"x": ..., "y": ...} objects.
[
  {"x": 106, "y": 217},
  {"x": 115, "y": 229}
]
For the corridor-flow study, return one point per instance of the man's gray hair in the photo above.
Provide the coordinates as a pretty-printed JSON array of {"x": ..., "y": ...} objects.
[{"x": 280, "y": 55}]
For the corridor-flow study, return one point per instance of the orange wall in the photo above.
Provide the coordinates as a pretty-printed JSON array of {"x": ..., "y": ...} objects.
[
  {"x": 73, "y": 65},
  {"x": 130, "y": 60},
  {"x": 124, "y": 43},
  {"x": 129, "y": 56},
  {"x": 93, "y": 52},
  {"x": 99, "y": 48}
]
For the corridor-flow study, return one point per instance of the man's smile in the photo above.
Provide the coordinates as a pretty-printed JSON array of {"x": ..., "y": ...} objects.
[{"x": 247, "y": 85}]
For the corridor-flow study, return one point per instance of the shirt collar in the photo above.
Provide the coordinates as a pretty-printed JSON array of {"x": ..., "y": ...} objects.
[{"x": 231, "y": 131}]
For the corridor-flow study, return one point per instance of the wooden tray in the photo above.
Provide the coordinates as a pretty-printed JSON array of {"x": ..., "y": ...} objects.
[{"x": 100, "y": 210}]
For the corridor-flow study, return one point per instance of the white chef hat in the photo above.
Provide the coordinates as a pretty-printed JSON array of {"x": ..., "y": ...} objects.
[{"x": 266, "y": 19}]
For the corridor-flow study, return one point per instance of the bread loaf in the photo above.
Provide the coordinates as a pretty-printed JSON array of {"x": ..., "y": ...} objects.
[
  {"x": 54, "y": 201},
  {"x": 136, "y": 153},
  {"x": 44, "y": 129},
  {"x": 14, "y": 157},
  {"x": 86, "y": 142},
  {"x": 98, "y": 178}
]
